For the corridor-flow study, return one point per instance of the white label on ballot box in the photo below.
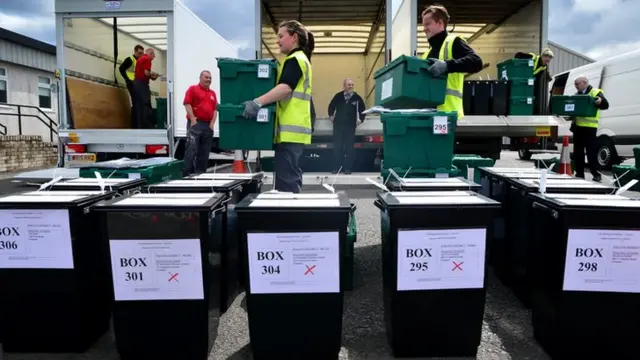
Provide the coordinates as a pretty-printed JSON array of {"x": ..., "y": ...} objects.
[
  {"x": 157, "y": 269},
  {"x": 263, "y": 71},
  {"x": 529, "y": 101},
  {"x": 387, "y": 89},
  {"x": 569, "y": 107},
  {"x": 530, "y": 82},
  {"x": 263, "y": 115},
  {"x": 441, "y": 259},
  {"x": 602, "y": 261},
  {"x": 440, "y": 125},
  {"x": 35, "y": 239},
  {"x": 286, "y": 263}
]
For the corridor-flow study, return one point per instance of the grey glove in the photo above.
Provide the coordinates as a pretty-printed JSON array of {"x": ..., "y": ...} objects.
[
  {"x": 251, "y": 108},
  {"x": 438, "y": 68}
]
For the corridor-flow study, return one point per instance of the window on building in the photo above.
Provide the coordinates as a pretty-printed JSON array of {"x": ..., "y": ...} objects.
[
  {"x": 3, "y": 86},
  {"x": 44, "y": 92}
]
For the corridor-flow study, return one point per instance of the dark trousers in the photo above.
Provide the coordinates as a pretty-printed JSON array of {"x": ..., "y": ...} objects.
[
  {"x": 585, "y": 138},
  {"x": 142, "y": 105},
  {"x": 132, "y": 94},
  {"x": 343, "y": 150},
  {"x": 198, "y": 147},
  {"x": 288, "y": 177}
]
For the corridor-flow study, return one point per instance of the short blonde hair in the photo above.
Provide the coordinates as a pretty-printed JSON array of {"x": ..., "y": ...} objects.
[{"x": 438, "y": 13}]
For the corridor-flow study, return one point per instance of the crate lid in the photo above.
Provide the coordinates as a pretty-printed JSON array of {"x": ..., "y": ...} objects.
[
  {"x": 222, "y": 176},
  {"x": 587, "y": 200},
  {"x": 569, "y": 183},
  {"x": 62, "y": 198},
  {"x": 435, "y": 198},
  {"x": 534, "y": 176},
  {"x": 450, "y": 183},
  {"x": 217, "y": 185},
  {"x": 281, "y": 200},
  {"x": 164, "y": 202},
  {"x": 91, "y": 183},
  {"x": 585, "y": 196}
]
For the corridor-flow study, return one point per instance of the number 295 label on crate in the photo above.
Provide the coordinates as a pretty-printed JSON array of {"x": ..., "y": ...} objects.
[
  {"x": 602, "y": 261},
  {"x": 289, "y": 263},
  {"x": 440, "y": 125},
  {"x": 157, "y": 269},
  {"x": 441, "y": 259}
]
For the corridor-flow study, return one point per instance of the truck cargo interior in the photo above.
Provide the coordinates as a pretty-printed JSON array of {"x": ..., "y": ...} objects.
[{"x": 97, "y": 97}]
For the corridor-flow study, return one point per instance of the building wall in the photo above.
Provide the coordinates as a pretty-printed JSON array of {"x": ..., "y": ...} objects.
[
  {"x": 22, "y": 89},
  {"x": 565, "y": 59},
  {"x": 22, "y": 55}
]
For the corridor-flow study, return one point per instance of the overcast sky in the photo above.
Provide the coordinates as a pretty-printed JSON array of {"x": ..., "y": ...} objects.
[{"x": 596, "y": 28}]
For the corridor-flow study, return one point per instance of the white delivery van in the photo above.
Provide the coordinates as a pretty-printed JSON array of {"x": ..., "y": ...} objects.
[{"x": 619, "y": 126}]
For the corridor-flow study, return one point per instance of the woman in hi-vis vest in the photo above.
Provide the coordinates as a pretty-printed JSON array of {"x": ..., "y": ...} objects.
[{"x": 293, "y": 110}]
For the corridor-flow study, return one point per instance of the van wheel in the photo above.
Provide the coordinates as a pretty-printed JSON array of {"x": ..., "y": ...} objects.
[
  {"x": 607, "y": 154},
  {"x": 524, "y": 154}
]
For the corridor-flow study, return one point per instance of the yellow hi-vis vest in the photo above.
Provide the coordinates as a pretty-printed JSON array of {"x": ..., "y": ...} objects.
[
  {"x": 455, "y": 81},
  {"x": 536, "y": 60},
  {"x": 131, "y": 71},
  {"x": 293, "y": 115},
  {"x": 591, "y": 122}
]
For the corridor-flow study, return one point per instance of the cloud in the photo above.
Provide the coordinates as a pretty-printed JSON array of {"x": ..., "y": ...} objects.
[{"x": 606, "y": 51}]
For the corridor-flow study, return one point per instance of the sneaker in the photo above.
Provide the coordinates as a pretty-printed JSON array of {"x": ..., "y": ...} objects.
[{"x": 597, "y": 178}]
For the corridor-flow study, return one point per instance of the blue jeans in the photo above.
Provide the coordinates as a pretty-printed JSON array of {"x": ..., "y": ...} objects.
[{"x": 198, "y": 147}]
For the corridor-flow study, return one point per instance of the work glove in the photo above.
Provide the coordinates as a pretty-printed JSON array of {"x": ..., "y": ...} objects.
[
  {"x": 251, "y": 108},
  {"x": 438, "y": 67}
]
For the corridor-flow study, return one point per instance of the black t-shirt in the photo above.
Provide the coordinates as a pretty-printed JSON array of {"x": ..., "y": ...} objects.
[{"x": 291, "y": 72}]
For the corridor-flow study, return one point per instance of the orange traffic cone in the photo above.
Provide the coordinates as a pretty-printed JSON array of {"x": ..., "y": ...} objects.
[
  {"x": 565, "y": 162},
  {"x": 238, "y": 163}
]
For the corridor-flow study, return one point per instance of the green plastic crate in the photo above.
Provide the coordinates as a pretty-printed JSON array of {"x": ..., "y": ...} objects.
[
  {"x": 411, "y": 140},
  {"x": 152, "y": 174},
  {"x": 463, "y": 162},
  {"x": 242, "y": 80},
  {"x": 636, "y": 155},
  {"x": 573, "y": 105},
  {"x": 161, "y": 113},
  {"x": 522, "y": 87},
  {"x": 626, "y": 173},
  {"x": 405, "y": 83},
  {"x": 515, "y": 69},
  {"x": 240, "y": 133},
  {"x": 348, "y": 265},
  {"x": 521, "y": 105},
  {"x": 419, "y": 173}
]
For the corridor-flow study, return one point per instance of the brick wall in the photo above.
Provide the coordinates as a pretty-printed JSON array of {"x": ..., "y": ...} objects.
[{"x": 20, "y": 152}]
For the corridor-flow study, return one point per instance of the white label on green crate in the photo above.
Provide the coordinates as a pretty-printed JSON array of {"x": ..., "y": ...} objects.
[
  {"x": 288, "y": 263},
  {"x": 530, "y": 82},
  {"x": 263, "y": 115},
  {"x": 387, "y": 89},
  {"x": 440, "y": 125},
  {"x": 602, "y": 261},
  {"x": 264, "y": 71},
  {"x": 133, "y": 175},
  {"x": 441, "y": 259},
  {"x": 529, "y": 101},
  {"x": 35, "y": 239},
  {"x": 531, "y": 63},
  {"x": 504, "y": 74},
  {"x": 569, "y": 107},
  {"x": 157, "y": 269}
]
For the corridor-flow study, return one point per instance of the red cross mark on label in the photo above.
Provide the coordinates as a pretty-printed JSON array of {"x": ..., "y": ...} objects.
[
  {"x": 173, "y": 277},
  {"x": 457, "y": 266},
  {"x": 309, "y": 270}
]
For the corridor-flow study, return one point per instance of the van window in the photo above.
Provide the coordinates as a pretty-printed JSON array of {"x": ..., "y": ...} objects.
[{"x": 559, "y": 84}]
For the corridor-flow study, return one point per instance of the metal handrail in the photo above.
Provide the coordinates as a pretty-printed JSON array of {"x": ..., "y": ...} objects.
[{"x": 52, "y": 125}]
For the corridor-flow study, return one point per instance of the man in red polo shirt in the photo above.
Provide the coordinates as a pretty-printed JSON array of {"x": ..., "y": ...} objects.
[
  {"x": 142, "y": 76},
  {"x": 200, "y": 101}
]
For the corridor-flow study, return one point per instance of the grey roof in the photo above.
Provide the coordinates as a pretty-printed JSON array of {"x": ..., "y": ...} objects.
[{"x": 572, "y": 52}]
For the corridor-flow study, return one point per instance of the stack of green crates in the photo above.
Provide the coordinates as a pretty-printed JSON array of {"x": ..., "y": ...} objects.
[
  {"x": 463, "y": 162},
  {"x": 573, "y": 105},
  {"x": 420, "y": 141},
  {"x": 519, "y": 73},
  {"x": 625, "y": 173},
  {"x": 240, "y": 81},
  {"x": 153, "y": 174}
]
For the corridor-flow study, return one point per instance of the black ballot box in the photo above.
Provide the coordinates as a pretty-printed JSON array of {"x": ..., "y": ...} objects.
[{"x": 166, "y": 278}]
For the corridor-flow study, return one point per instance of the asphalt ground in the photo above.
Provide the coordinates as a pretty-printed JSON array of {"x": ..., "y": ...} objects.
[{"x": 506, "y": 331}]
